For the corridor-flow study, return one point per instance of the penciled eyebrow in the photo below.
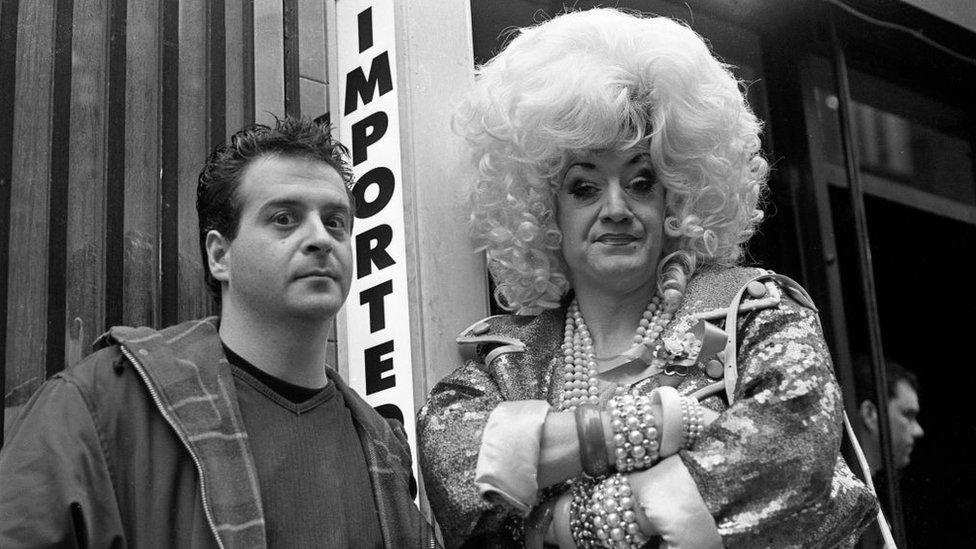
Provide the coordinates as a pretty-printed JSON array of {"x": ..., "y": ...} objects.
[{"x": 637, "y": 159}]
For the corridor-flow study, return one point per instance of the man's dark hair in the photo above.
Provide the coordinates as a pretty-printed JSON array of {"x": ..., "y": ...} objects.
[
  {"x": 894, "y": 373},
  {"x": 218, "y": 203}
]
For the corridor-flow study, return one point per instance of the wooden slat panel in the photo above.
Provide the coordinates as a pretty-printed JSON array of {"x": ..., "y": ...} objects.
[
  {"x": 170, "y": 162},
  {"x": 193, "y": 300},
  {"x": 115, "y": 147},
  {"x": 311, "y": 40},
  {"x": 27, "y": 300},
  {"x": 269, "y": 83},
  {"x": 9, "y": 10},
  {"x": 312, "y": 65},
  {"x": 247, "y": 28},
  {"x": 290, "y": 39},
  {"x": 216, "y": 73},
  {"x": 313, "y": 98},
  {"x": 142, "y": 165},
  {"x": 86, "y": 180},
  {"x": 234, "y": 67},
  {"x": 60, "y": 158}
]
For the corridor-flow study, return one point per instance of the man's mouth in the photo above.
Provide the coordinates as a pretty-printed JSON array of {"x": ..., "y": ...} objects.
[{"x": 317, "y": 273}]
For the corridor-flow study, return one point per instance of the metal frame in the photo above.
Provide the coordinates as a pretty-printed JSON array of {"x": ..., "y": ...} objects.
[{"x": 867, "y": 279}]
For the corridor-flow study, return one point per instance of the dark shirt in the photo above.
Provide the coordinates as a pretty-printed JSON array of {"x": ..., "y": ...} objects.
[{"x": 314, "y": 482}]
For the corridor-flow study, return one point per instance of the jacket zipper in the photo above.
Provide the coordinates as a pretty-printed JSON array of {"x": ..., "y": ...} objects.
[{"x": 196, "y": 461}]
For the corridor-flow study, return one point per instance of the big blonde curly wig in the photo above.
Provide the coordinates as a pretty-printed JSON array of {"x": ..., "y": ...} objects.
[{"x": 602, "y": 80}]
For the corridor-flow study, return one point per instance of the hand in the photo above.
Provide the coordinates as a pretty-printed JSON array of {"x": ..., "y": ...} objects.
[
  {"x": 559, "y": 533},
  {"x": 538, "y": 524}
]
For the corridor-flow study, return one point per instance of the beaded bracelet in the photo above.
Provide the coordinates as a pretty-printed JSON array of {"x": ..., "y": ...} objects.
[
  {"x": 634, "y": 433},
  {"x": 580, "y": 521},
  {"x": 672, "y": 429},
  {"x": 613, "y": 513},
  {"x": 692, "y": 419},
  {"x": 592, "y": 441}
]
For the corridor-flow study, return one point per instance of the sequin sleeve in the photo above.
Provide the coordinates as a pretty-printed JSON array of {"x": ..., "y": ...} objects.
[
  {"x": 450, "y": 427},
  {"x": 768, "y": 467}
]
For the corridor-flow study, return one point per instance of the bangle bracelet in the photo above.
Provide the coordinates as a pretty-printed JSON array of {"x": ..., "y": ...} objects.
[
  {"x": 692, "y": 420},
  {"x": 614, "y": 509},
  {"x": 592, "y": 440},
  {"x": 672, "y": 430},
  {"x": 580, "y": 521},
  {"x": 634, "y": 434}
]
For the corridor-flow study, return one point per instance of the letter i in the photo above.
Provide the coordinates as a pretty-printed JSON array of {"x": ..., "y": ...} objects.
[{"x": 365, "y": 29}]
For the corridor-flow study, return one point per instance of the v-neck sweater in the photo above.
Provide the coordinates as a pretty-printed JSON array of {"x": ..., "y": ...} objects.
[{"x": 313, "y": 477}]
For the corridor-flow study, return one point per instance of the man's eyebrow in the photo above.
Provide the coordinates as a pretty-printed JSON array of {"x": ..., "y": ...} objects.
[
  {"x": 296, "y": 203},
  {"x": 279, "y": 202}
]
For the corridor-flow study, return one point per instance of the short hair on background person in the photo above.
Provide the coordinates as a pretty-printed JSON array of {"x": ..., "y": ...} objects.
[
  {"x": 601, "y": 80},
  {"x": 218, "y": 203},
  {"x": 895, "y": 373}
]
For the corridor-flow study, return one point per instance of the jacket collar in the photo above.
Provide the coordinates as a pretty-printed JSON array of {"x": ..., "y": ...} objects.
[{"x": 191, "y": 383}]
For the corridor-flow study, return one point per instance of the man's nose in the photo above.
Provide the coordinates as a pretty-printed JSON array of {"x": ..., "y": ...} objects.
[
  {"x": 615, "y": 207},
  {"x": 318, "y": 239},
  {"x": 917, "y": 430}
]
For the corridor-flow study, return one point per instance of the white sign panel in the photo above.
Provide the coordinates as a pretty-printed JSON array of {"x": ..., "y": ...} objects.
[{"x": 377, "y": 343}]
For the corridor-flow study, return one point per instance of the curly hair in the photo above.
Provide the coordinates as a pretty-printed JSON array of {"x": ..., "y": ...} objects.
[
  {"x": 602, "y": 80},
  {"x": 218, "y": 203}
]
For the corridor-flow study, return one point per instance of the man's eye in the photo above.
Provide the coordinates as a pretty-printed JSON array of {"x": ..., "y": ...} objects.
[
  {"x": 283, "y": 219},
  {"x": 337, "y": 222}
]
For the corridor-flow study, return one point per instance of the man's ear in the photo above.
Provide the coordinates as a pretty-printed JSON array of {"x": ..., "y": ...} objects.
[
  {"x": 218, "y": 255},
  {"x": 869, "y": 415}
]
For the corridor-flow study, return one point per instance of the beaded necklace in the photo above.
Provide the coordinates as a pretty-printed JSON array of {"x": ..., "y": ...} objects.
[{"x": 579, "y": 369}]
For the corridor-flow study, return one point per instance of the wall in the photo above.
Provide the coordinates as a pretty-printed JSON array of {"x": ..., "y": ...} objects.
[{"x": 108, "y": 109}]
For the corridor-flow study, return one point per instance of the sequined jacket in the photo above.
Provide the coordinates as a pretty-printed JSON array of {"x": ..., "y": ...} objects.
[{"x": 768, "y": 469}]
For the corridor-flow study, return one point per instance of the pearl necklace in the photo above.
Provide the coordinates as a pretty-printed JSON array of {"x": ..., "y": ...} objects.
[{"x": 579, "y": 369}]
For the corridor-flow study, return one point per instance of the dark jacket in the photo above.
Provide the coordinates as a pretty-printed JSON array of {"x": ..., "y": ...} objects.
[{"x": 142, "y": 444}]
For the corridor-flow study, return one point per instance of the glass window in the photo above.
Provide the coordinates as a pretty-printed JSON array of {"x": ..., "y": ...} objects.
[
  {"x": 916, "y": 169},
  {"x": 912, "y": 148}
]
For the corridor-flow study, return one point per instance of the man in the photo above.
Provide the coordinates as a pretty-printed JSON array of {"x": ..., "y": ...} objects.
[
  {"x": 904, "y": 428},
  {"x": 903, "y": 409},
  {"x": 228, "y": 432}
]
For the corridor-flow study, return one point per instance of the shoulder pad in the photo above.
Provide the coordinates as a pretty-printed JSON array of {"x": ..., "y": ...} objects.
[
  {"x": 757, "y": 296},
  {"x": 484, "y": 332}
]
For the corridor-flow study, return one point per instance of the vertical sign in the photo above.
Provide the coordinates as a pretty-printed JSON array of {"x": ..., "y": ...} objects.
[{"x": 377, "y": 316}]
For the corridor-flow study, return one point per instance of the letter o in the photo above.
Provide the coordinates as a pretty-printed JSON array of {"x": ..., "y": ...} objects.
[{"x": 383, "y": 177}]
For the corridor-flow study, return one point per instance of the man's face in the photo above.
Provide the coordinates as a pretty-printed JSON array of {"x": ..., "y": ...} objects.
[
  {"x": 903, "y": 416},
  {"x": 292, "y": 256}
]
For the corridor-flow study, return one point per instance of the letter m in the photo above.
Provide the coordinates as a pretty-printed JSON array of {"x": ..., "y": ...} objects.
[{"x": 357, "y": 84}]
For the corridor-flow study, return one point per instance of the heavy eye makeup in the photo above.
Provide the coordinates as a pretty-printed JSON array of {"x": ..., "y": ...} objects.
[
  {"x": 582, "y": 189},
  {"x": 643, "y": 184}
]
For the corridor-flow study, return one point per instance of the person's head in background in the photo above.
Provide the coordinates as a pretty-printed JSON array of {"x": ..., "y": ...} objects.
[{"x": 903, "y": 410}]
